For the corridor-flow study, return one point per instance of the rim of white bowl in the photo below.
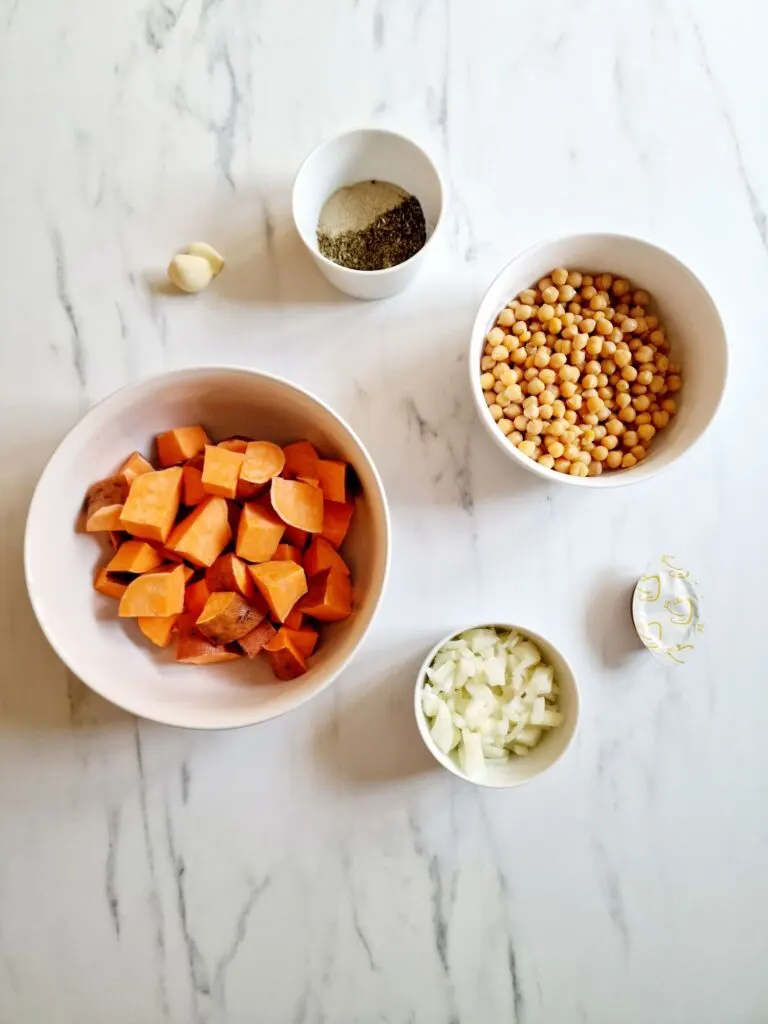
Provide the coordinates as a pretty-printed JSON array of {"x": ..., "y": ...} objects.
[
  {"x": 312, "y": 245},
  {"x": 607, "y": 480},
  {"x": 73, "y": 436},
  {"x": 445, "y": 760}
]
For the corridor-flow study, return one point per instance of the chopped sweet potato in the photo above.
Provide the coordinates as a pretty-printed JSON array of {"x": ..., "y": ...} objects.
[
  {"x": 263, "y": 461},
  {"x": 116, "y": 538},
  {"x": 321, "y": 554},
  {"x": 286, "y": 660},
  {"x": 195, "y": 597},
  {"x": 113, "y": 585},
  {"x": 158, "y": 629},
  {"x": 180, "y": 444},
  {"x": 154, "y": 594},
  {"x": 329, "y": 598},
  {"x": 204, "y": 534},
  {"x": 287, "y": 553},
  {"x": 226, "y": 617},
  {"x": 301, "y": 459},
  {"x": 104, "y": 504},
  {"x": 253, "y": 642},
  {"x": 134, "y": 466},
  {"x": 247, "y": 491},
  {"x": 332, "y": 475},
  {"x": 299, "y": 538},
  {"x": 281, "y": 584},
  {"x": 298, "y": 504},
  {"x": 229, "y": 572},
  {"x": 337, "y": 516},
  {"x": 135, "y": 556},
  {"x": 152, "y": 504},
  {"x": 234, "y": 511},
  {"x": 192, "y": 484},
  {"x": 195, "y": 649},
  {"x": 258, "y": 534},
  {"x": 221, "y": 471},
  {"x": 295, "y": 619},
  {"x": 187, "y": 571},
  {"x": 234, "y": 444},
  {"x": 304, "y": 640},
  {"x": 311, "y": 480}
]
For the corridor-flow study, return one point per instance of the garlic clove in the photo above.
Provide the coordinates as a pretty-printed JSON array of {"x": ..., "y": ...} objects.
[
  {"x": 215, "y": 259},
  {"x": 190, "y": 273}
]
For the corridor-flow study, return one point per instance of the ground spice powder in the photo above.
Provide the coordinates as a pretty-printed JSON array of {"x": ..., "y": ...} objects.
[{"x": 371, "y": 225}]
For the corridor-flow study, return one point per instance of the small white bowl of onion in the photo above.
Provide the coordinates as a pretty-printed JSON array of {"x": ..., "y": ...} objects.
[{"x": 496, "y": 705}]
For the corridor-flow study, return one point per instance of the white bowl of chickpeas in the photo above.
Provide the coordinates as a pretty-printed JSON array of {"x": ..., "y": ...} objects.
[{"x": 597, "y": 360}]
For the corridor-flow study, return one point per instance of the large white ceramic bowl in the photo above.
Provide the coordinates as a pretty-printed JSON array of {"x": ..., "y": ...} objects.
[
  {"x": 554, "y": 742},
  {"x": 684, "y": 305},
  {"x": 109, "y": 653},
  {"x": 358, "y": 156}
]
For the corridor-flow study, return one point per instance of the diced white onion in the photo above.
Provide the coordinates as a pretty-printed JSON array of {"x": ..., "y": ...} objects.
[{"x": 490, "y": 695}]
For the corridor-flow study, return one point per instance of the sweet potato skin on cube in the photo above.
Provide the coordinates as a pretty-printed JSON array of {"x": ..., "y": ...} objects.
[
  {"x": 152, "y": 504},
  {"x": 229, "y": 572},
  {"x": 195, "y": 649},
  {"x": 221, "y": 471},
  {"x": 104, "y": 504},
  {"x": 180, "y": 444},
  {"x": 227, "y": 617},
  {"x": 281, "y": 584},
  {"x": 111, "y": 586},
  {"x": 253, "y": 643},
  {"x": 286, "y": 660},
  {"x": 329, "y": 598},
  {"x": 203, "y": 534},
  {"x": 195, "y": 597},
  {"x": 154, "y": 594},
  {"x": 304, "y": 639}
]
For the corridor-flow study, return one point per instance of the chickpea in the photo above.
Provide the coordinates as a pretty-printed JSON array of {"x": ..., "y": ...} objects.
[
  {"x": 628, "y": 460},
  {"x": 628, "y": 325},
  {"x": 639, "y": 452},
  {"x": 669, "y": 405},
  {"x": 557, "y": 361},
  {"x": 514, "y": 392},
  {"x": 521, "y": 423},
  {"x": 558, "y": 408},
  {"x": 589, "y": 380},
  {"x": 520, "y": 327},
  {"x": 595, "y": 404},
  {"x": 547, "y": 461},
  {"x": 629, "y": 373},
  {"x": 500, "y": 353},
  {"x": 660, "y": 419},
  {"x": 629, "y": 439},
  {"x": 556, "y": 450},
  {"x": 610, "y": 442},
  {"x": 502, "y": 400},
  {"x": 546, "y": 312},
  {"x": 627, "y": 415},
  {"x": 524, "y": 311},
  {"x": 559, "y": 276},
  {"x": 580, "y": 342},
  {"x": 645, "y": 377},
  {"x": 555, "y": 325},
  {"x": 571, "y": 417},
  {"x": 614, "y": 426},
  {"x": 568, "y": 332},
  {"x": 588, "y": 325},
  {"x": 595, "y": 345},
  {"x": 578, "y": 358},
  {"x": 574, "y": 402},
  {"x": 641, "y": 297},
  {"x": 487, "y": 363},
  {"x": 486, "y": 381},
  {"x": 662, "y": 363},
  {"x": 518, "y": 357},
  {"x": 516, "y": 437},
  {"x": 622, "y": 358},
  {"x": 574, "y": 279},
  {"x": 547, "y": 376},
  {"x": 642, "y": 417},
  {"x": 557, "y": 427},
  {"x": 495, "y": 336},
  {"x": 621, "y": 385},
  {"x": 613, "y": 461},
  {"x": 545, "y": 411},
  {"x": 657, "y": 385},
  {"x": 588, "y": 292},
  {"x": 535, "y": 427},
  {"x": 620, "y": 287},
  {"x": 566, "y": 292},
  {"x": 549, "y": 395},
  {"x": 535, "y": 387},
  {"x": 644, "y": 354},
  {"x": 550, "y": 294},
  {"x": 641, "y": 403},
  {"x": 527, "y": 448},
  {"x": 585, "y": 457},
  {"x": 512, "y": 342},
  {"x": 604, "y": 327},
  {"x": 578, "y": 469},
  {"x": 528, "y": 297},
  {"x": 605, "y": 392},
  {"x": 509, "y": 374},
  {"x": 575, "y": 308},
  {"x": 646, "y": 431},
  {"x": 567, "y": 389},
  {"x": 505, "y": 427},
  {"x": 506, "y": 318},
  {"x": 623, "y": 400},
  {"x": 562, "y": 465},
  {"x": 598, "y": 301},
  {"x": 673, "y": 382},
  {"x": 496, "y": 411},
  {"x": 571, "y": 452},
  {"x": 541, "y": 357}
]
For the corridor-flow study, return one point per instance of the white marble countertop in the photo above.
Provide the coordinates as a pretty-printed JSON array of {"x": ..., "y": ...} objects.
[{"x": 320, "y": 868}]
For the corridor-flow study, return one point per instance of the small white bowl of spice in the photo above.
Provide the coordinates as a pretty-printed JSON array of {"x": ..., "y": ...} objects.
[
  {"x": 367, "y": 204},
  {"x": 496, "y": 704}
]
